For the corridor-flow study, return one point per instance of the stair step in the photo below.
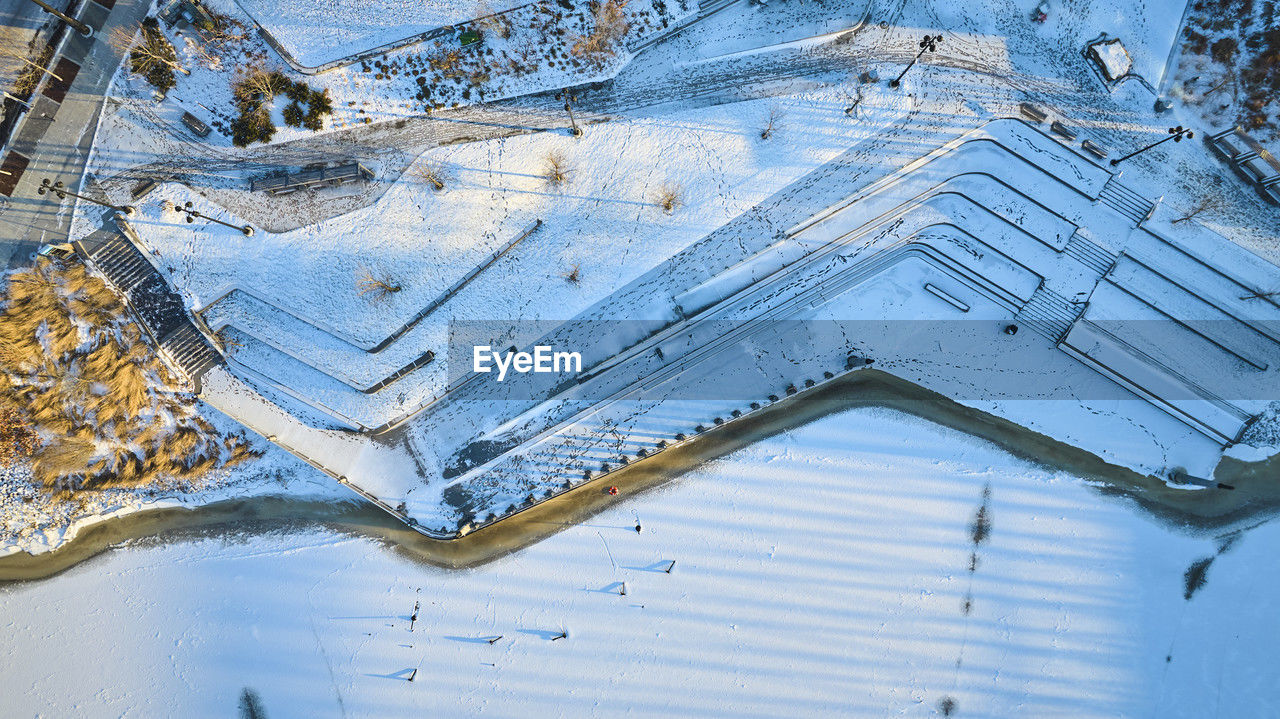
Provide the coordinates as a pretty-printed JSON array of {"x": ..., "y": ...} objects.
[
  {"x": 192, "y": 352},
  {"x": 1091, "y": 255},
  {"x": 1125, "y": 201},
  {"x": 1049, "y": 313},
  {"x": 155, "y": 305}
]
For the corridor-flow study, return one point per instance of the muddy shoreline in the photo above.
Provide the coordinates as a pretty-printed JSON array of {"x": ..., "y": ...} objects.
[{"x": 1257, "y": 487}]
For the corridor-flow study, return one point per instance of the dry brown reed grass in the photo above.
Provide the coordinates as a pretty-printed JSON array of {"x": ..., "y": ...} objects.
[{"x": 96, "y": 405}]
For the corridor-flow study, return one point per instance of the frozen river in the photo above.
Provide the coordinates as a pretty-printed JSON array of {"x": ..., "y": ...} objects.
[{"x": 828, "y": 570}]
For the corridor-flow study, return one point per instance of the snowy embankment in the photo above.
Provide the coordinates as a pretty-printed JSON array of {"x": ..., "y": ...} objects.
[
  {"x": 832, "y": 570},
  {"x": 533, "y": 53},
  {"x": 33, "y": 522},
  {"x": 530, "y": 51}
]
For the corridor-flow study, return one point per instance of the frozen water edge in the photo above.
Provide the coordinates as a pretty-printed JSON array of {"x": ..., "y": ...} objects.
[{"x": 824, "y": 571}]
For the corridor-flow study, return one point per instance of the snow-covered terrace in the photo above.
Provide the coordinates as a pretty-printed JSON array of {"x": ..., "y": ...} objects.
[
  {"x": 275, "y": 290},
  {"x": 1178, "y": 376},
  {"x": 1006, "y": 220},
  {"x": 1045, "y": 223}
]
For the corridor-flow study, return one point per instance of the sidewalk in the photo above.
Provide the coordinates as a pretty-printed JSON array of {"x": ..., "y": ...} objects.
[{"x": 54, "y": 138}]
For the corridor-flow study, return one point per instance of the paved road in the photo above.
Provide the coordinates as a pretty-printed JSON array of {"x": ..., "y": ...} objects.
[{"x": 56, "y": 137}]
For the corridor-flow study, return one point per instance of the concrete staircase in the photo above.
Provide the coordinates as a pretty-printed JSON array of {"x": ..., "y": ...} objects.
[
  {"x": 189, "y": 349},
  {"x": 123, "y": 264},
  {"x": 1049, "y": 314},
  {"x": 1125, "y": 201},
  {"x": 1090, "y": 254},
  {"x": 157, "y": 307}
]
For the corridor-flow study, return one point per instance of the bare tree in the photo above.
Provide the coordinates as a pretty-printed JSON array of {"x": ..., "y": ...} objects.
[
  {"x": 573, "y": 276},
  {"x": 206, "y": 54},
  {"x": 771, "y": 123},
  {"x": 557, "y": 170},
  {"x": 154, "y": 48},
  {"x": 257, "y": 81},
  {"x": 1208, "y": 203},
  {"x": 670, "y": 196},
  {"x": 432, "y": 174},
  {"x": 491, "y": 20},
  {"x": 216, "y": 40},
  {"x": 225, "y": 31},
  {"x": 121, "y": 38},
  {"x": 376, "y": 287},
  {"x": 28, "y": 65},
  {"x": 611, "y": 26}
]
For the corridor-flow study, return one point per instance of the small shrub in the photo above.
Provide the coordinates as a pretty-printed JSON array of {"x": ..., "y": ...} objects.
[
  {"x": 377, "y": 287},
  {"x": 432, "y": 174},
  {"x": 670, "y": 196},
  {"x": 1224, "y": 50},
  {"x": 293, "y": 115},
  {"x": 18, "y": 439},
  {"x": 252, "y": 126},
  {"x": 557, "y": 168},
  {"x": 610, "y": 27}
]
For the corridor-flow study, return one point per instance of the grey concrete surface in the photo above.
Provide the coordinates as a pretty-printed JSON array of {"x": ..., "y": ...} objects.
[{"x": 56, "y": 137}]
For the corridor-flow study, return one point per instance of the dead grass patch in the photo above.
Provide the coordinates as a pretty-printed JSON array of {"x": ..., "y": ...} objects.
[{"x": 86, "y": 399}]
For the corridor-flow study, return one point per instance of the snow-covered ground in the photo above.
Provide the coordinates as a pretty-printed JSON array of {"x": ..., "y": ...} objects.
[
  {"x": 34, "y": 522},
  {"x": 316, "y": 32},
  {"x": 1147, "y": 29},
  {"x": 827, "y": 571},
  {"x": 604, "y": 218},
  {"x": 1226, "y": 73}
]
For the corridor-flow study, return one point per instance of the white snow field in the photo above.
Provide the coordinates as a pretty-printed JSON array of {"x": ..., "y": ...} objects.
[
  {"x": 316, "y": 32},
  {"x": 823, "y": 572}
]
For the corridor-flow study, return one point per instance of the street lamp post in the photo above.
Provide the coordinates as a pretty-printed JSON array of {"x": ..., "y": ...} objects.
[
  {"x": 15, "y": 99},
  {"x": 193, "y": 215},
  {"x": 570, "y": 98},
  {"x": 928, "y": 44},
  {"x": 61, "y": 192},
  {"x": 79, "y": 26},
  {"x": 1175, "y": 133}
]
